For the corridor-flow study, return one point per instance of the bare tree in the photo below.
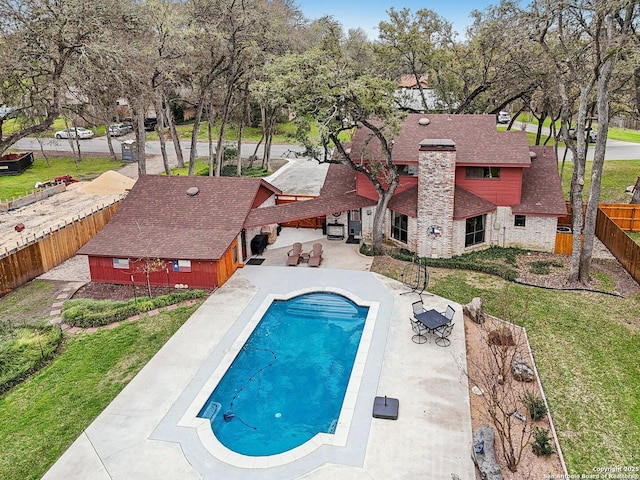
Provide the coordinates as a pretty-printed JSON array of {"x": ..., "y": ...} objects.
[
  {"x": 584, "y": 41},
  {"x": 40, "y": 40}
]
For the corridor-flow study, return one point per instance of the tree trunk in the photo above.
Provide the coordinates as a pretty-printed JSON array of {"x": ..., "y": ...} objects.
[
  {"x": 194, "y": 134},
  {"x": 174, "y": 134},
  {"x": 213, "y": 169},
  {"x": 141, "y": 136},
  {"x": 110, "y": 144},
  {"x": 226, "y": 108},
  {"x": 160, "y": 130},
  {"x": 379, "y": 218},
  {"x": 596, "y": 169},
  {"x": 243, "y": 119},
  {"x": 635, "y": 199},
  {"x": 577, "y": 181}
]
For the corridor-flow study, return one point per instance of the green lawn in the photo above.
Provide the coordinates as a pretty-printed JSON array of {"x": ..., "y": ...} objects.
[
  {"x": 616, "y": 176},
  {"x": 586, "y": 348},
  {"x": 42, "y": 417},
  {"x": 19, "y": 185}
]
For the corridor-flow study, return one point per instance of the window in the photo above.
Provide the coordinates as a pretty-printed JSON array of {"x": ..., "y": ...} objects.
[
  {"x": 399, "y": 225},
  {"x": 235, "y": 254},
  {"x": 409, "y": 170},
  {"x": 474, "y": 233},
  {"x": 520, "y": 221},
  {"x": 121, "y": 263},
  {"x": 483, "y": 172}
]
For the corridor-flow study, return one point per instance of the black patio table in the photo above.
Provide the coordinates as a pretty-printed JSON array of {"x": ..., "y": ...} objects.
[{"x": 432, "y": 319}]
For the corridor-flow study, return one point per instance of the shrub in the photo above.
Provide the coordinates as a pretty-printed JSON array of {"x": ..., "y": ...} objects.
[
  {"x": 25, "y": 351},
  {"x": 535, "y": 405},
  {"x": 84, "y": 312},
  {"x": 543, "y": 267},
  {"x": 541, "y": 444}
]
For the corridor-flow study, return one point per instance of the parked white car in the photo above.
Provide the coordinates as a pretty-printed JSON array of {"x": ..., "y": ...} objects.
[
  {"x": 504, "y": 117},
  {"x": 118, "y": 129},
  {"x": 73, "y": 132}
]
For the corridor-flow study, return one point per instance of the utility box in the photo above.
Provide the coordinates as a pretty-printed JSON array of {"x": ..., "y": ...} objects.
[{"x": 129, "y": 151}]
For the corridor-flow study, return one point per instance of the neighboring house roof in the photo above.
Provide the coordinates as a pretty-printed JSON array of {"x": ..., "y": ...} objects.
[
  {"x": 467, "y": 204},
  {"x": 541, "y": 186},
  {"x": 408, "y": 80},
  {"x": 476, "y": 138},
  {"x": 159, "y": 219},
  {"x": 409, "y": 99}
]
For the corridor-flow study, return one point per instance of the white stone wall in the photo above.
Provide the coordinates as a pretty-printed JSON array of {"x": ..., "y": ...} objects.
[
  {"x": 436, "y": 183},
  {"x": 539, "y": 233}
]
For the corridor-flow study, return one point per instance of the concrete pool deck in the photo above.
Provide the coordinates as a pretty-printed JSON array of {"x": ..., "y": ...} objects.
[{"x": 139, "y": 435}]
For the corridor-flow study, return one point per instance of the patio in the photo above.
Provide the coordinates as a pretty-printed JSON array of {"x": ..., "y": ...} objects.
[{"x": 140, "y": 434}]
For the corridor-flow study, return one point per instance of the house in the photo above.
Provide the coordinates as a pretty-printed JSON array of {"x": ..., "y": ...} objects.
[
  {"x": 180, "y": 230},
  {"x": 464, "y": 185}
]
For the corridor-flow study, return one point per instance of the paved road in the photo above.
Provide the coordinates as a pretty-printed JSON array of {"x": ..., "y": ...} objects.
[
  {"x": 300, "y": 176},
  {"x": 616, "y": 150},
  {"x": 152, "y": 147}
]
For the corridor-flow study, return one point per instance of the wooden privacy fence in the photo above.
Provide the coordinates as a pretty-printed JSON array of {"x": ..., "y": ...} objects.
[
  {"x": 41, "y": 254},
  {"x": 626, "y": 251},
  {"x": 626, "y": 216}
]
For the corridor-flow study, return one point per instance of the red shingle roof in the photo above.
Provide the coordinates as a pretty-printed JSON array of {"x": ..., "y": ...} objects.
[
  {"x": 467, "y": 204},
  {"x": 405, "y": 202},
  {"x": 541, "y": 186},
  {"x": 477, "y": 140},
  {"x": 338, "y": 194},
  {"x": 159, "y": 219}
]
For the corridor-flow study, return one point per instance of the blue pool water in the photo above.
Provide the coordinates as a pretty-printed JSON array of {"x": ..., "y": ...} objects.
[{"x": 288, "y": 381}]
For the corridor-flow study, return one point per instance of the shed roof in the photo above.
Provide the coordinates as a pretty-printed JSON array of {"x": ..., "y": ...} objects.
[{"x": 159, "y": 219}]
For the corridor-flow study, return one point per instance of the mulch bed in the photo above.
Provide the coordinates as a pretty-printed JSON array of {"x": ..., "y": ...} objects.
[{"x": 110, "y": 291}]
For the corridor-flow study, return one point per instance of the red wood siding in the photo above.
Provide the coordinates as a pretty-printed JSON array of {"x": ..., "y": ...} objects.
[
  {"x": 203, "y": 273},
  {"x": 504, "y": 191},
  {"x": 365, "y": 188},
  {"x": 262, "y": 195}
]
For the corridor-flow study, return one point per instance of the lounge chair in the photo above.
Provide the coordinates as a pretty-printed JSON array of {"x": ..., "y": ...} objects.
[
  {"x": 293, "y": 255},
  {"x": 315, "y": 255}
]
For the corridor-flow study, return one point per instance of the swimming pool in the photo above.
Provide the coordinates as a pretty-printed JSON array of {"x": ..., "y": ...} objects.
[{"x": 287, "y": 384}]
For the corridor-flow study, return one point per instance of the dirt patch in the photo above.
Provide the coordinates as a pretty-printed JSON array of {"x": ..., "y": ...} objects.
[
  {"x": 530, "y": 466},
  {"x": 607, "y": 275}
]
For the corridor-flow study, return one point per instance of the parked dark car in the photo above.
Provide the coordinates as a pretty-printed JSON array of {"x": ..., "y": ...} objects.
[
  {"x": 150, "y": 124},
  {"x": 591, "y": 135}
]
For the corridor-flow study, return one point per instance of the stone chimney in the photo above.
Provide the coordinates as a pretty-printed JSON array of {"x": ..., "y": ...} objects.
[{"x": 436, "y": 184}]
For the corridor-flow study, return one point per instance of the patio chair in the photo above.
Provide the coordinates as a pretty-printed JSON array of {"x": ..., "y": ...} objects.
[
  {"x": 293, "y": 255},
  {"x": 315, "y": 255},
  {"x": 419, "y": 331},
  {"x": 443, "y": 334},
  {"x": 418, "y": 307},
  {"x": 449, "y": 313}
]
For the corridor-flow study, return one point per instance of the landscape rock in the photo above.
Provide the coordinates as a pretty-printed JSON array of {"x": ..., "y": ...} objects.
[
  {"x": 474, "y": 310},
  {"x": 521, "y": 371},
  {"x": 484, "y": 455},
  {"x": 502, "y": 336}
]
